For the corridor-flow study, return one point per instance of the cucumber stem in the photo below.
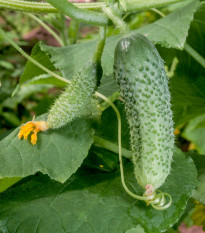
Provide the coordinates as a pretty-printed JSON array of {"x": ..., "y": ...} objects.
[
  {"x": 110, "y": 12},
  {"x": 42, "y": 7},
  {"x": 69, "y": 9},
  {"x": 100, "y": 46}
]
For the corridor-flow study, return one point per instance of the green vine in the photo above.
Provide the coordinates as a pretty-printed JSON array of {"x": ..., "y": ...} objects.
[
  {"x": 69, "y": 9},
  {"x": 80, "y": 11},
  {"x": 42, "y": 7}
]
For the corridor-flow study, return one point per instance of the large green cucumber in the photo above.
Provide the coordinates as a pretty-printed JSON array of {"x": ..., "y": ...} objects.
[{"x": 140, "y": 74}]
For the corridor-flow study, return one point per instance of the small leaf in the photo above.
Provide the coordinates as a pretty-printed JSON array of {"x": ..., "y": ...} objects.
[
  {"x": 94, "y": 202},
  {"x": 58, "y": 153}
]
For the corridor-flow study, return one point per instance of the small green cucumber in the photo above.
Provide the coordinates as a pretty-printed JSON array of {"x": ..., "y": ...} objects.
[
  {"x": 140, "y": 74},
  {"x": 75, "y": 97}
]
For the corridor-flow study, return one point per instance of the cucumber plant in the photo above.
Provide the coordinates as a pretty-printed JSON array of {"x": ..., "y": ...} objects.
[{"x": 142, "y": 88}]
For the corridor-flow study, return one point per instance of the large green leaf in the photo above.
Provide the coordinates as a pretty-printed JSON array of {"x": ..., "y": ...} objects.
[
  {"x": 58, "y": 153},
  {"x": 93, "y": 202},
  {"x": 170, "y": 32}
]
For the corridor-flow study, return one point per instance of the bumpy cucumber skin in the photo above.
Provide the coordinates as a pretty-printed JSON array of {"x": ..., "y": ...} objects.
[
  {"x": 140, "y": 74},
  {"x": 75, "y": 97}
]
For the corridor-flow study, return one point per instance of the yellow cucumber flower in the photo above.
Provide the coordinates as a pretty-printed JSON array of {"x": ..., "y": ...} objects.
[{"x": 32, "y": 126}]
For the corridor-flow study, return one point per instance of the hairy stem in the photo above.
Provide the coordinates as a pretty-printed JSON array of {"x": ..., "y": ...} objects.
[
  {"x": 42, "y": 7},
  {"x": 84, "y": 15},
  {"x": 100, "y": 46},
  {"x": 131, "y": 5},
  {"x": 116, "y": 19}
]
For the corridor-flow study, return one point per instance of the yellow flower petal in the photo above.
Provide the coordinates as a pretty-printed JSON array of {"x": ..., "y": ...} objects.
[
  {"x": 33, "y": 138},
  {"x": 34, "y": 127}
]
